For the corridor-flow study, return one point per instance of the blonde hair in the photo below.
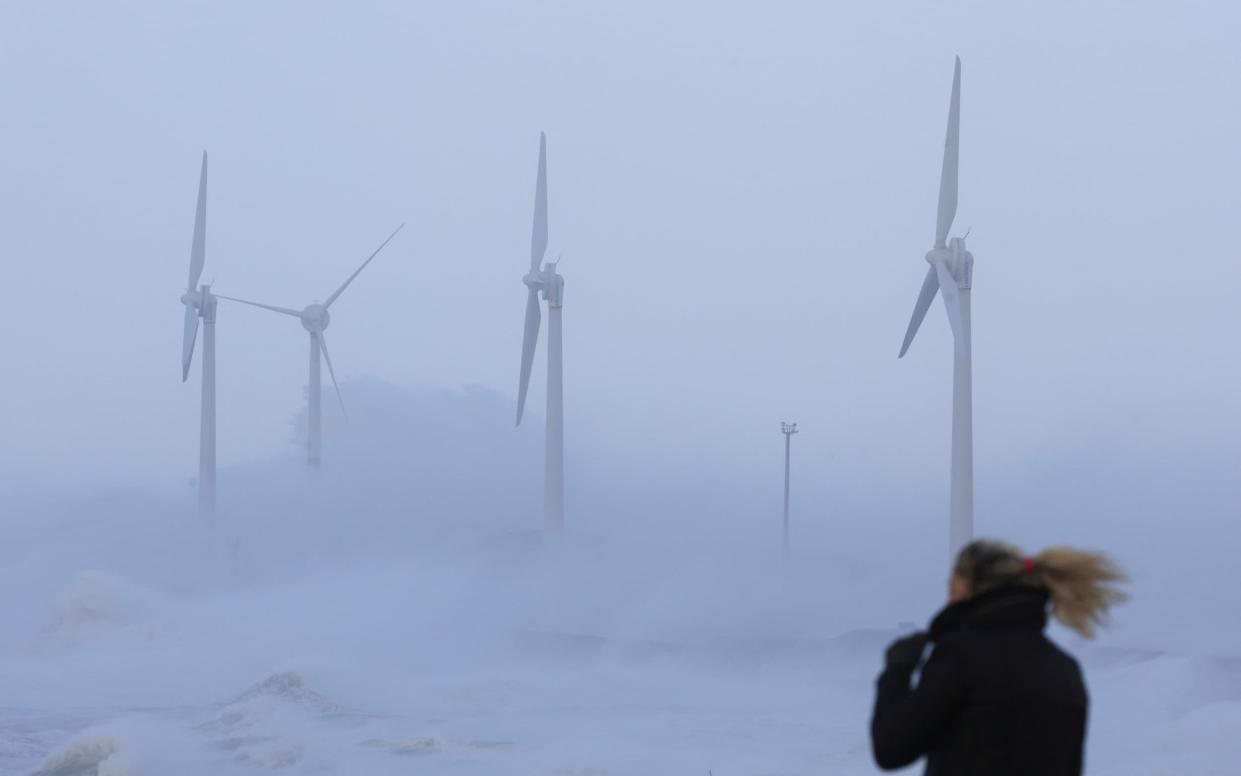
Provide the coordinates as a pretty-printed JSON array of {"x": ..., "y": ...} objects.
[{"x": 1084, "y": 586}]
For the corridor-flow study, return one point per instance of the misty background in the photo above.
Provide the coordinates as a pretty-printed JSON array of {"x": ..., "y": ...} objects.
[{"x": 742, "y": 195}]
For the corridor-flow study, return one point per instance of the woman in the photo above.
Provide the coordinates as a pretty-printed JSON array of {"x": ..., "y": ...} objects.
[{"x": 996, "y": 697}]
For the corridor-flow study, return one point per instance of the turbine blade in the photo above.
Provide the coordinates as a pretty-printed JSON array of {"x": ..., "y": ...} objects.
[
  {"x": 187, "y": 341},
  {"x": 358, "y": 271},
  {"x": 538, "y": 236},
  {"x": 952, "y": 297},
  {"x": 952, "y": 152},
  {"x": 198, "y": 248},
  {"x": 527, "y": 349},
  {"x": 285, "y": 310},
  {"x": 332, "y": 372},
  {"x": 929, "y": 285}
]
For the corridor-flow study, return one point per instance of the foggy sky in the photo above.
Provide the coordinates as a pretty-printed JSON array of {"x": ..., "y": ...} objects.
[{"x": 743, "y": 197}]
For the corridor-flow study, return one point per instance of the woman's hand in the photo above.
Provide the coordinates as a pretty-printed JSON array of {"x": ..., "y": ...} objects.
[{"x": 906, "y": 651}]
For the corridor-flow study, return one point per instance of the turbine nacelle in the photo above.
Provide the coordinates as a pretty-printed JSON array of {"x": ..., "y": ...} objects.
[
  {"x": 315, "y": 318},
  {"x": 962, "y": 262},
  {"x": 200, "y": 300},
  {"x": 957, "y": 259},
  {"x": 553, "y": 291},
  {"x": 546, "y": 281}
]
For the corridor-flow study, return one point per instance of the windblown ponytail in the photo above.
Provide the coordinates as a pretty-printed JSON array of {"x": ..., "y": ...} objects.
[{"x": 1084, "y": 586}]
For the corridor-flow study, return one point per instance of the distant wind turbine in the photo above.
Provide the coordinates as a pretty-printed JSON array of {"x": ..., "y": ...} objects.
[
  {"x": 200, "y": 304},
  {"x": 952, "y": 273},
  {"x": 548, "y": 282},
  {"x": 315, "y": 320}
]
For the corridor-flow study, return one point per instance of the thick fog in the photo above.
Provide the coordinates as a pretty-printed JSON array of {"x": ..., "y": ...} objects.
[{"x": 742, "y": 197}]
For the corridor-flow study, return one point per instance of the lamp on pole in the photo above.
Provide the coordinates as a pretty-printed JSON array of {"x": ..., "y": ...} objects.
[{"x": 788, "y": 429}]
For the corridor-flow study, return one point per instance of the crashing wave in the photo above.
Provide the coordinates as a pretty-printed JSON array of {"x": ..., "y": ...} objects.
[
  {"x": 292, "y": 687},
  {"x": 93, "y": 754},
  {"x": 254, "y": 717},
  {"x": 266, "y": 725},
  {"x": 97, "y": 604}
]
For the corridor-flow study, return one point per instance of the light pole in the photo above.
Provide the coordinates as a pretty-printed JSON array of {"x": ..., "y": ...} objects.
[{"x": 788, "y": 429}]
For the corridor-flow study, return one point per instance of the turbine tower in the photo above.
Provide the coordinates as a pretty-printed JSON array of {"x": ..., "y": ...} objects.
[
  {"x": 315, "y": 319},
  {"x": 550, "y": 284},
  {"x": 200, "y": 304},
  {"x": 952, "y": 273}
]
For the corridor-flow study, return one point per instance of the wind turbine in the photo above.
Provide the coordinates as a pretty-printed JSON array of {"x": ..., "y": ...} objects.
[
  {"x": 200, "y": 304},
  {"x": 315, "y": 320},
  {"x": 952, "y": 273},
  {"x": 550, "y": 284}
]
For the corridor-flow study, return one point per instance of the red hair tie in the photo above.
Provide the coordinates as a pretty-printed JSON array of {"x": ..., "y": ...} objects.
[{"x": 1030, "y": 565}]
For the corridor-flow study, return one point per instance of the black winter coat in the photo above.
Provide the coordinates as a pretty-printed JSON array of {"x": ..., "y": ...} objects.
[{"x": 996, "y": 697}]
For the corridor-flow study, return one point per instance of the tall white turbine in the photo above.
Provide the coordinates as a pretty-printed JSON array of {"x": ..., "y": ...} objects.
[
  {"x": 200, "y": 304},
  {"x": 952, "y": 273},
  {"x": 550, "y": 284},
  {"x": 315, "y": 320}
]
